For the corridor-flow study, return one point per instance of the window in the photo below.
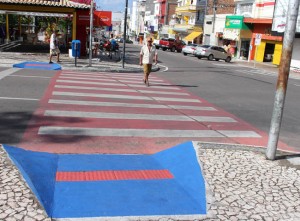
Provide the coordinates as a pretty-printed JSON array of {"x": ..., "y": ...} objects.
[{"x": 244, "y": 8}]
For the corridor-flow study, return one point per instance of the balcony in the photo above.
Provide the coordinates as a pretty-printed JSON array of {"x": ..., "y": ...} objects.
[
  {"x": 182, "y": 28},
  {"x": 187, "y": 8}
]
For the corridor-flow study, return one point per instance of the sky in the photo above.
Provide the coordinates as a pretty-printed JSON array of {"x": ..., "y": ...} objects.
[{"x": 112, "y": 5}]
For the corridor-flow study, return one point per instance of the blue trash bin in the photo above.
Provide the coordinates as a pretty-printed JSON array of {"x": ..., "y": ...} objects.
[{"x": 76, "y": 44}]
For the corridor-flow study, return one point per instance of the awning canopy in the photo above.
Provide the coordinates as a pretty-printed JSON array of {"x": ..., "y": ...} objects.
[{"x": 192, "y": 36}]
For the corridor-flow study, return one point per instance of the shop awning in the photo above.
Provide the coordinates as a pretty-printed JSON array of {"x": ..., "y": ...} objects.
[{"x": 192, "y": 36}]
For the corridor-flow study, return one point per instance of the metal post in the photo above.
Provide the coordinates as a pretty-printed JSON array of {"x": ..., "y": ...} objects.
[
  {"x": 124, "y": 36},
  {"x": 91, "y": 31},
  {"x": 214, "y": 24},
  {"x": 75, "y": 48},
  {"x": 283, "y": 76}
]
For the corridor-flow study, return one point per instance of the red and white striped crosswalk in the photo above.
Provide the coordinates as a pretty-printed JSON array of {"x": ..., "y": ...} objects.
[{"x": 84, "y": 112}]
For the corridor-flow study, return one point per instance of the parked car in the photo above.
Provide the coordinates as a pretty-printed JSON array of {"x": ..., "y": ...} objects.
[
  {"x": 189, "y": 49},
  {"x": 171, "y": 44},
  {"x": 212, "y": 52},
  {"x": 156, "y": 43}
]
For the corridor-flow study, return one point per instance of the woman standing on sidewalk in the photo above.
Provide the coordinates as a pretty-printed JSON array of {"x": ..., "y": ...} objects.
[{"x": 148, "y": 55}]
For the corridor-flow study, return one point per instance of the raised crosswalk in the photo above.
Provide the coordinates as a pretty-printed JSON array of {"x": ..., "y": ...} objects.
[{"x": 117, "y": 113}]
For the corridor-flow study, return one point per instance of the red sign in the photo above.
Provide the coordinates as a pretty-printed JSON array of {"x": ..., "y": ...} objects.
[{"x": 102, "y": 18}]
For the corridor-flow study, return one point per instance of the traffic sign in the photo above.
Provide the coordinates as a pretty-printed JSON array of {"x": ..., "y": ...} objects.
[{"x": 257, "y": 39}]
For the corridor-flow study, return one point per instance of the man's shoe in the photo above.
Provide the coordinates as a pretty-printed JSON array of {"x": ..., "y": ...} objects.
[{"x": 50, "y": 62}]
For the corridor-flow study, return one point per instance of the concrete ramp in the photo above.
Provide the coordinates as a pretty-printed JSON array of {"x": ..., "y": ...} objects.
[{"x": 168, "y": 183}]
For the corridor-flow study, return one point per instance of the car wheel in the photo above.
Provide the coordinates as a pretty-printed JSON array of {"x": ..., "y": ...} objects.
[
  {"x": 185, "y": 54},
  {"x": 164, "y": 49},
  {"x": 173, "y": 49},
  {"x": 199, "y": 57},
  {"x": 217, "y": 59},
  {"x": 178, "y": 50},
  {"x": 210, "y": 57},
  {"x": 156, "y": 47},
  {"x": 228, "y": 59}
]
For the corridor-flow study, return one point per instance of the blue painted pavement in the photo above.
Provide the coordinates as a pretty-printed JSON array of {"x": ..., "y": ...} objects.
[
  {"x": 38, "y": 65},
  {"x": 182, "y": 195}
]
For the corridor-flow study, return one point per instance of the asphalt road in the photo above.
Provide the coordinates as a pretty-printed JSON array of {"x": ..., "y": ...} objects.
[
  {"x": 20, "y": 92},
  {"x": 243, "y": 91}
]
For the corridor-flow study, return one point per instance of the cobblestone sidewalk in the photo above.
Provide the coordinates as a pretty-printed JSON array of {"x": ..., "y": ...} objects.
[{"x": 243, "y": 186}]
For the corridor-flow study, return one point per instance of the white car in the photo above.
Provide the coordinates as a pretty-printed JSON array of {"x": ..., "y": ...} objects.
[
  {"x": 212, "y": 52},
  {"x": 189, "y": 49}
]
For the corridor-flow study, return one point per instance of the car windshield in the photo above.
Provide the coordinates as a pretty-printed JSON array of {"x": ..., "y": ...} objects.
[{"x": 192, "y": 45}]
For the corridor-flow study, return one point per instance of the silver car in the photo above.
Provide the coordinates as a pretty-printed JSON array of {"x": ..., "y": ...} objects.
[
  {"x": 189, "y": 49},
  {"x": 212, "y": 52}
]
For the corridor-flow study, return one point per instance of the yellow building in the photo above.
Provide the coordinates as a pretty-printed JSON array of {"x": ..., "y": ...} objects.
[{"x": 190, "y": 18}]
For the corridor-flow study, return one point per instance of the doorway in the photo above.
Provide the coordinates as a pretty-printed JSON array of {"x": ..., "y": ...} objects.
[{"x": 269, "y": 52}]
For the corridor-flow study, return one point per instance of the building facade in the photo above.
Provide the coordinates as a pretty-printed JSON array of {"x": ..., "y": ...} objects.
[{"x": 189, "y": 20}]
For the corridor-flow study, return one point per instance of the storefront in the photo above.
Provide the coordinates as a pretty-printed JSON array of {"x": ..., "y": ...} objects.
[
  {"x": 237, "y": 36},
  {"x": 270, "y": 47}
]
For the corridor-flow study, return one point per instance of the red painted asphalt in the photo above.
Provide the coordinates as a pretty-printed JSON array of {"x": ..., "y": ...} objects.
[{"x": 102, "y": 87}]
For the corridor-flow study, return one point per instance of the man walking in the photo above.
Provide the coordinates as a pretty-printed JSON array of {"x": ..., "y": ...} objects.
[
  {"x": 148, "y": 55},
  {"x": 54, "y": 50}
]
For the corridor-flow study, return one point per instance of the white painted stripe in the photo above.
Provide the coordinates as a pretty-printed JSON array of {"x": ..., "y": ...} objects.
[
  {"x": 124, "y": 90},
  {"x": 162, "y": 92},
  {"x": 167, "y": 87},
  {"x": 8, "y": 72},
  {"x": 87, "y": 78},
  {"x": 94, "y": 88},
  {"x": 117, "y": 104},
  {"x": 192, "y": 107},
  {"x": 110, "y": 80},
  {"x": 90, "y": 82},
  {"x": 116, "y": 84},
  {"x": 101, "y": 95},
  {"x": 81, "y": 114},
  {"x": 101, "y": 132},
  {"x": 106, "y": 74},
  {"x": 19, "y": 98},
  {"x": 140, "y": 80},
  {"x": 105, "y": 104},
  {"x": 238, "y": 133},
  {"x": 28, "y": 76},
  {"x": 135, "y": 116},
  {"x": 176, "y": 99},
  {"x": 213, "y": 119},
  {"x": 109, "y": 77}
]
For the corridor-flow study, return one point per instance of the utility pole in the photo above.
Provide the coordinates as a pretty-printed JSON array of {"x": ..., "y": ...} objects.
[
  {"x": 124, "y": 34},
  {"x": 283, "y": 75},
  {"x": 213, "y": 37},
  {"x": 91, "y": 31}
]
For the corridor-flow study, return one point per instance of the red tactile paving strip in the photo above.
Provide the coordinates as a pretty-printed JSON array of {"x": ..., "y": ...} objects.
[{"x": 104, "y": 175}]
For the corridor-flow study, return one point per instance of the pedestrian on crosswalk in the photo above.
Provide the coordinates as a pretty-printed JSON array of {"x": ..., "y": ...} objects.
[{"x": 148, "y": 55}]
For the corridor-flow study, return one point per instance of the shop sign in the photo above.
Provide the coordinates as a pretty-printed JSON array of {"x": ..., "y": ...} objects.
[
  {"x": 257, "y": 39},
  {"x": 234, "y": 22},
  {"x": 280, "y": 16},
  {"x": 231, "y": 34}
]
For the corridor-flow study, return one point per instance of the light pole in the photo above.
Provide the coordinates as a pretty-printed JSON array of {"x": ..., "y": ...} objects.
[
  {"x": 91, "y": 31},
  {"x": 124, "y": 34}
]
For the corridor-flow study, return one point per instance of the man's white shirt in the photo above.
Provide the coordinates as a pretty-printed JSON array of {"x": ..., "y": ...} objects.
[{"x": 148, "y": 55}]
